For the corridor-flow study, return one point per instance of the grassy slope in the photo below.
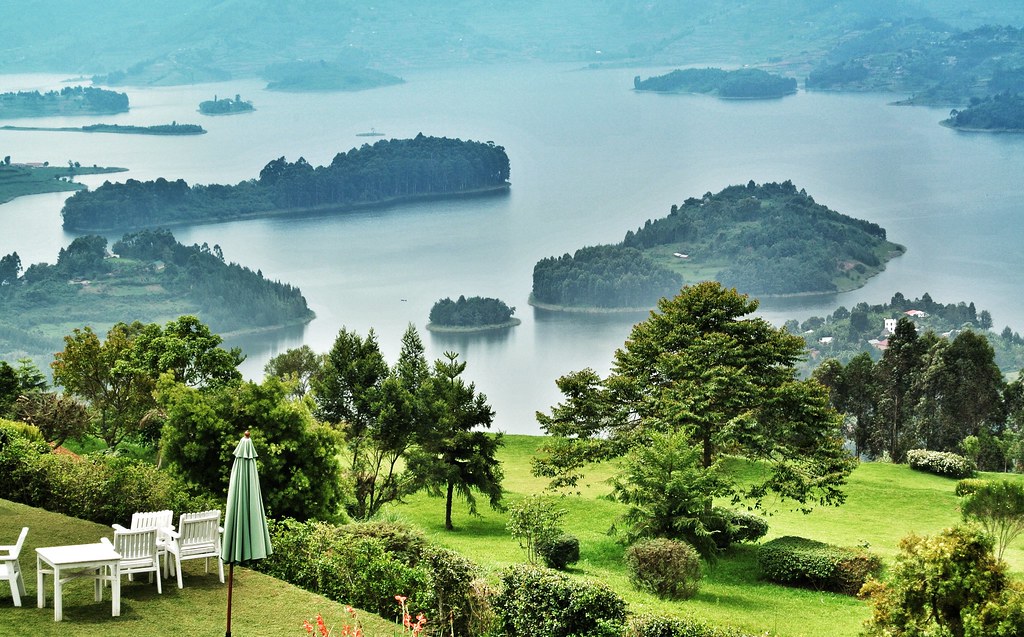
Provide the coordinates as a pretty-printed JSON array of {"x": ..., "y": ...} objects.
[
  {"x": 262, "y": 606},
  {"x": 16, "y": 181},
  {"x": 885, "y": 502}
]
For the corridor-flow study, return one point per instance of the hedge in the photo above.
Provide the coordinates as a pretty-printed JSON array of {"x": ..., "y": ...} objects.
[
  {"x": 941, "y": 463},
  {"x": 655, "y": 626},
  {"x": 798, "y": 561}
]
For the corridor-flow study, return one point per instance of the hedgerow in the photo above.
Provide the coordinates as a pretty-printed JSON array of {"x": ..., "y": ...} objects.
[
  {"x": 941, "y": 463},
  {"x": 798, "y": 561}
]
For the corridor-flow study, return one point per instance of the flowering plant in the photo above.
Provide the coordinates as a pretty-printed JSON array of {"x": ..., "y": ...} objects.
[
  {"x": 408, "y": 626},
  {"x": 354, "y": 629}
]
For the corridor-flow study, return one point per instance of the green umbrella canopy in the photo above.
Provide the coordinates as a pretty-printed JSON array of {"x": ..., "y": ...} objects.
[{"x": 245, "y": 524}]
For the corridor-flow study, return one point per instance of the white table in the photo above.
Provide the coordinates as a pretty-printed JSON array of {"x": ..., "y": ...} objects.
[{"x": 101, "y": 560}]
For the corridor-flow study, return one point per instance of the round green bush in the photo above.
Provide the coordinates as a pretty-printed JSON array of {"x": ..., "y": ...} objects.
[
  {"x": 559, "y": 552},
  {"x": 667, "y": 568}
]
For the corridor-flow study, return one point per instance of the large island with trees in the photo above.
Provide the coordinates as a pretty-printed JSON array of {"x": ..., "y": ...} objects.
[
  {"x": 768, "y": 239},
  {"x": 470, "y": 315},
  {"x": 388, "y": 172},
  {"x": 76, "y": 100},
  {"x": 739, "y": 84}
]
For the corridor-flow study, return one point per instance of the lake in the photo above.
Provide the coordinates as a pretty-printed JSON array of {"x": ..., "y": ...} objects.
[{"x": 590, "y": 159}]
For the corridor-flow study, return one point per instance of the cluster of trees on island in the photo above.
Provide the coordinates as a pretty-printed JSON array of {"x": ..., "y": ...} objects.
[
  {"x": 225, "y": 106},
  {"x": 389, "y": 170},
  {"x": 744, "y": 83},
  {"x": 476, "y": 311},
  {"x": 89, "y": 286},
  {"x": 70, "y": 100},
  {"x": 765, "y": 239},
  {"x": 1000, "y": 112}
]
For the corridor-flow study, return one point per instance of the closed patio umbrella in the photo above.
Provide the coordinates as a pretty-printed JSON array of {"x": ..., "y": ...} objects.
[{"x": 246, "y": 537}]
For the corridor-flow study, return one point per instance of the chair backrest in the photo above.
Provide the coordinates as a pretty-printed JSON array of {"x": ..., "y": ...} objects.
[
  {"x": 15, "y": 549},
  {"x": 135, "y": 544},
  {"x": 199, "y": 528},
  {"x": 148, "y": 519}
]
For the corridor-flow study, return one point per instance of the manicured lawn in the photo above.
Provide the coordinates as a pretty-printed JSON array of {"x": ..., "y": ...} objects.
[
  {"x": 263, "y": 606},
  {"x": 884, "y": 503}
]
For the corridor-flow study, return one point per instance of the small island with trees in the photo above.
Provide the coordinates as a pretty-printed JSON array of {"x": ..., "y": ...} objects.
[
  {"x": 391, "y": 171},
  {"x": 69, "y": 100},
  {"x": 471, "y": 315},
  {"x": 174, "y": 128},
  {"x": 325, "y": 76},
  {"x": 739, "y": 84},
  {"x": 20, "y": 179},
  {"x": 147, "y": 276},
  {"x": 1001, "y": 113},
  {"x": 226, "y": 106},
  {"x": 769, "y": 240}
]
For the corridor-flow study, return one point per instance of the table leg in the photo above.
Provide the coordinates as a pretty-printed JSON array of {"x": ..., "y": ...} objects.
[
  {"x": 115, "y": 591},
  {"x": 40, "y": 591},
  {"x": 58, "y": 595}
]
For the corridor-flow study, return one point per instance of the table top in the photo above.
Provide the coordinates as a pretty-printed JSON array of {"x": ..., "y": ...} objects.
[{"x": 78, "y": 553}]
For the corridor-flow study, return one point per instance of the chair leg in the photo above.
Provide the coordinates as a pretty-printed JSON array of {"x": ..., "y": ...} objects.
[
  {"x": 159, "y": 580},
  {"x": 220, "y": 567},
  {"x": 177, "y": 561},
  {"x": 17, "y": 587}
]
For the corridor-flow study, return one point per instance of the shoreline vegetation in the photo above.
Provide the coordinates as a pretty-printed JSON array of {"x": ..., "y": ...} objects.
[
  {"x": 475, "y": 314},
  {"x": 125, "y": 129},
  {"x": 741, "y": 84},
  {"x": 19, "y": 180},
  {"x": 386, "y": 173},
  {"x": 226, "y": 106},
  {"x": 69, "y": 100},
  {"x": 464, "y": 329}
]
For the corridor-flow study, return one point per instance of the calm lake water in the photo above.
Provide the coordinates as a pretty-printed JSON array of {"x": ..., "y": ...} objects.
[{"x": 590, "y": 160}]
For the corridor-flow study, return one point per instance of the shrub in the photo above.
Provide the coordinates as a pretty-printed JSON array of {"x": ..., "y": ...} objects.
[
  {"x": 667, "y": 568},
  {"x": 968, "y": 486},
  {"x": 654, "y": 626},
  {"x": 728, "y": 527},
  {"x": 798, "y": 561},
  {"x": 534, "y": 521},
  {"x": 559, "y": 552},
  {"x": 942, "y": 463},
  {"x": 367, "y": 564},
  {"x": 540, "y": 601}
]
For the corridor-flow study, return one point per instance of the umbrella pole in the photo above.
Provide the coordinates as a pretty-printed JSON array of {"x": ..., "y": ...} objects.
[{"x": 231, "y": 581}]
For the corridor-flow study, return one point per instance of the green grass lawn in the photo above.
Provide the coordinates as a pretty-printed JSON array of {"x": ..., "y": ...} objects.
[
  {"x": 262, "y": 605},
  {"x": 884, "y": 503}
]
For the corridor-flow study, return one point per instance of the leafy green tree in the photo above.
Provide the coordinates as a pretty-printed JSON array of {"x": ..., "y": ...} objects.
[
  {"x": 454, "y": 455},
  {"x": 9, "y": 388},
  {"x": 533, "y": 521},
  {"x": 10, "y": 268},
  {"x": 298, "y": 366},
  {"x": 727, "y": 383},
  {"x": 998, "y": 506},
  {"x": 946, "y": 585},
  {"x": 896, "y": 377},
  {"x": 190, "y": 351},
  {"x": 298, "y": 466},
  {"x": 30, "y": 377}
]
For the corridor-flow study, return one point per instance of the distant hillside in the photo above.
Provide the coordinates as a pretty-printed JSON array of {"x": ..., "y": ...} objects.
[
  {"x": 325, "y": 76},
  {"x": 768, "y": 239}
]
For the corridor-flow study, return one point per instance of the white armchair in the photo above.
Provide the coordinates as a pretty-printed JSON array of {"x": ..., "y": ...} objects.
[
  {"x": 138, "y": 551},
  {"x": 163, "y": 522},
  {"x": 198, "y": 536},
  {"x": 10, "y": 568}
]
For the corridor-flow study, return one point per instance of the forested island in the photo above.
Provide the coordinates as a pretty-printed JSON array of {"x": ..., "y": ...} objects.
[
  {"x": 765, "y": 240},
  {"x": 69, "y": 100},
  {"x": 173, "y": 128},
  {"x": 148, "y": 276},
  {"x": 17, "y": 180},
  {"x": 472, "y": 314},
  {"x": 738, "y": 84},
  {"x": 325, "y": 76},
  {"x": 388, "y": 172},
  {"x": 1003, "y": 112},
  {"x": 226, "y": 106}
]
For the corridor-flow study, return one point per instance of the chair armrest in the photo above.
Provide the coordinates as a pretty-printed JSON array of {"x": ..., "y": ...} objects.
[
  {"x": 118, "y": 527},
  {"x": 106, "y": 541},
  {"x": 171, "y": 533}
]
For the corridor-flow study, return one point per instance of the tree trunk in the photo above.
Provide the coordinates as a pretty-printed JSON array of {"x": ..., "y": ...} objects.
[{"x": 448, "y": 507}]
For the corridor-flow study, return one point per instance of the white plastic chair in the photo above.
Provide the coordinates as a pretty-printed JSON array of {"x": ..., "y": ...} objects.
[
  {"x": 10, "y": 568},
  {"x": 138, "y": 551},
  {"x": 163, "y": 521},
  {"x": 198, "y": 536}
]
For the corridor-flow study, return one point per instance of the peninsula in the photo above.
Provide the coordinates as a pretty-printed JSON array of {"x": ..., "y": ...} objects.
[
  {"x": 173, "y": 128},
  {"x": 388, "y": 172},
  {"x": 69, "y": 100},
  {"x": 1002, "y": 113},
  {"x": 764, "y": 240},
  {"x": 18, "y": 180},
  {"x": 738, "y": 84}
]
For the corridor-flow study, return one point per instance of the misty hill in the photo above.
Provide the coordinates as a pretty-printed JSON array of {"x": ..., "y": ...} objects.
[
  {"x": 738, "y": 84},
  {"x": 768, "y": 239},
  {"x": 153, "y": 279},
  {"x": 186, "y": 41},
  {"x": 388, "y": 172}
]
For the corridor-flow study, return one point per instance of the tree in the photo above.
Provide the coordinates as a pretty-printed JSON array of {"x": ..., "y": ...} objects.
[
  {"x": 950, "y": 584},
  {"x": 896, "y": 376},
  {"x": 190, "y": 351},
  {"x": 104, "y": 374},
  {"x": 8, "y": 388},
  {"x": 298, "y": 366},
  {"x": 30, "y": 377},
  {"x": 10, "y": 268},
  {"x": 533, "y": 521},
  {"x": 454, "y": 455},
  {"x": 298, "y": 466},
  {"x": 727, "y": 383},
  {"x": 999, "y": 508},
  {"x": 59, "y": 417}
]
